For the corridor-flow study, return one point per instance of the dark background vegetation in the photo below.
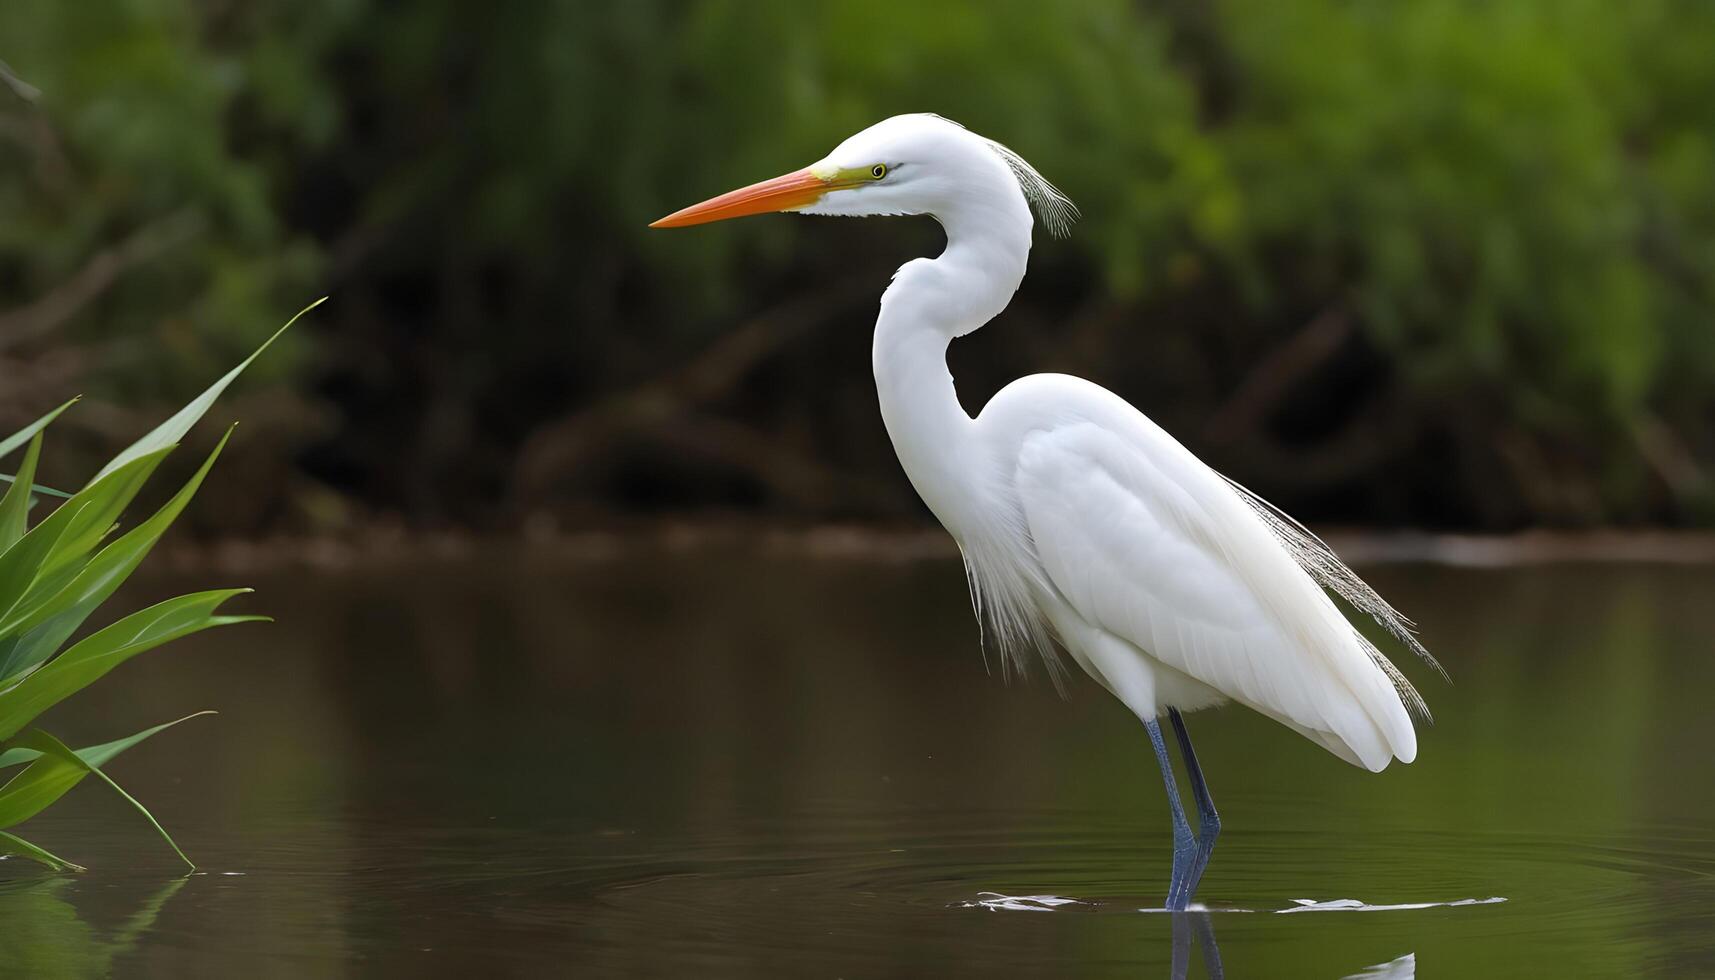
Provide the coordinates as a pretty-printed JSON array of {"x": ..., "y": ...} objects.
[{"x": 1442, "y": 264}]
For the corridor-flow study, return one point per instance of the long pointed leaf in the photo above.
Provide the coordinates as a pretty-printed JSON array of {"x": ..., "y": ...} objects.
[
  {"x": 28, "y": 432},
  {"x": 36, "y": 489},
  {"x": 53, "y": 748},
  {"x": 42, "y": 627},
  {"x": 98, "y": 755},
  {"x": 92, "y": 657},
  {"x": 62, "y": 539},
  {"x": 10, "y": 844},
  {"x": 16, "y": 579},
  {"x": 15, "y": 506},
  {"x": 38, "y": 787},
  {"x": 174, "y": 429},
  {"x": 90, "y": 525}
]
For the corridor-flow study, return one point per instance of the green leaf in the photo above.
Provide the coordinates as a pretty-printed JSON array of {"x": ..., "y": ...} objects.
[
  {"x": 64, "y": 537},
  {"x": 56, "y": 771},
  {"x": 92, "y": 657},
  {"x": 36, "y": 488},
  {"x": 35, "y": 789},
  {"x": 44, "y": 625},
  {"x": 28, "y": 432},
  {"x": 55, "y": 751},
  {"x": 10, "y": 844},
  {"x": 15, "y": 506},
  {"x": 172, "y": 430},
  {"x": 97, "y": 755}
]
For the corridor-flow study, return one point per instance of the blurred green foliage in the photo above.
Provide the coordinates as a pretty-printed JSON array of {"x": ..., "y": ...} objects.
[
  {"x": 130, "y": 147},
  {"x": 1445, "y": 262}
]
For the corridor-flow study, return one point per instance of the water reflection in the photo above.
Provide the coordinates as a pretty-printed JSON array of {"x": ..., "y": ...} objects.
[
  {"x": 715, "y": 767},
  {"x": 46, "y": 935},
  {"x": 1404, "y": 968},
  {"x": 1195, "y": 929},
  {"x": 1201, "y": 927},
  {"x": 1353, "y": 905},
  {"x": 1185, "y": 926}
]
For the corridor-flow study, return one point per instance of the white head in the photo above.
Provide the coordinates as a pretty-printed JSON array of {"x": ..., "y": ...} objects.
[{"x": 911, "y": 164}]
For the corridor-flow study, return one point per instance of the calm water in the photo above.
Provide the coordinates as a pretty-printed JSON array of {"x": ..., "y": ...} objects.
[{"x": 736, "y": 766}]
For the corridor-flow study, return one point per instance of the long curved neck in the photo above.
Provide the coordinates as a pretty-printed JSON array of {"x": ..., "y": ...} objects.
[{"x": 930, "y": 302}]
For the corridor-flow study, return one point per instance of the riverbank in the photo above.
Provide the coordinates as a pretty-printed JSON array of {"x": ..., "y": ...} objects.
[{"x": 386, "y": 546}]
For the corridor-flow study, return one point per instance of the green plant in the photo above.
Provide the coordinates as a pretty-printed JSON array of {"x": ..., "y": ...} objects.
[{"x": 52, "y": 577}]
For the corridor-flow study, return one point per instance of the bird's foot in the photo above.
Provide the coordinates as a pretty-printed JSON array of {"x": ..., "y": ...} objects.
[{"x": 1179, "y": 890}]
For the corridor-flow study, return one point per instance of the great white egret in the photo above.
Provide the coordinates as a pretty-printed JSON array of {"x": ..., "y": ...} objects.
[{"x": 1079, "y": 518}]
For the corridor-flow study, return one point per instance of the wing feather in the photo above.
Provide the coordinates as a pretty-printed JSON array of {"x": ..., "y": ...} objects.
[{"x": 1146, "y": 542}]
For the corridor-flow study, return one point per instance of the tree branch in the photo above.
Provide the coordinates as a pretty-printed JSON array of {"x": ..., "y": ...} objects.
[
  {"x": 807, "y": 482},
  {"x": 66, "y": 300},
  {"x": 558, "y": 445},
  {"x": 1273, "y": 377},
  {"x": 22, "y": 89},
  {"x": 1377, "y": 430}
]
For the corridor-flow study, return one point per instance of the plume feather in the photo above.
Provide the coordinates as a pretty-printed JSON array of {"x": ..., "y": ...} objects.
[{"x": 1314, "y": 556}]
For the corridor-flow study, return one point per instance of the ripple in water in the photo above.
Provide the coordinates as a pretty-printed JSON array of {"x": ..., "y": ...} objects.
[{"x": 997, "y": 902}]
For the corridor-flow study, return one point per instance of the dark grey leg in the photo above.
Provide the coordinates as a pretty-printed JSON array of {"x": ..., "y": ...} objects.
[
  {"x": 1208, "y": 821},
  {"x": 1195, "y": 924},
  {"x": 1184, "y": 845},
  {"x": 1205, "y": 930},
  {"x": 1181, "y": 967}
]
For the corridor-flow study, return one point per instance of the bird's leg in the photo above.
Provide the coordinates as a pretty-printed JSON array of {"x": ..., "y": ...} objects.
[
  {"x": 1208, "y": 821},
  {"x": 1186, "y": 926},
  {"x": 1184, "y": 844},
  {"x": 1205, "y": 931},
  {"x": 1181, "y": 966}
]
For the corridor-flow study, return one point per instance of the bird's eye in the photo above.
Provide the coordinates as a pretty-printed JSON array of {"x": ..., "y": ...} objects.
[{"x": 878, "y": 171}]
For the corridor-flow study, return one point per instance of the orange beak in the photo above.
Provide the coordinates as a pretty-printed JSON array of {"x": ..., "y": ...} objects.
[{"x": 788, "y": 192}]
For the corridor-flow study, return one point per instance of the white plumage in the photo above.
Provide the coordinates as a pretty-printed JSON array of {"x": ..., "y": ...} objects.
[
  {"x": 1078, "y": 517},
  {"x": 1168, "y": 585},
  {"x": 1165, "y": 582}
]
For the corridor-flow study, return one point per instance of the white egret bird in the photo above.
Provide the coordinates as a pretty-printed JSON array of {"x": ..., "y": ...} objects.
[{"x": 1078, "y": 517}]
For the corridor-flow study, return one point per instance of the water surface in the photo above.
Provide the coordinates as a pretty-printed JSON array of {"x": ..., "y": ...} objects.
[{"x": 734, "y": 766}]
